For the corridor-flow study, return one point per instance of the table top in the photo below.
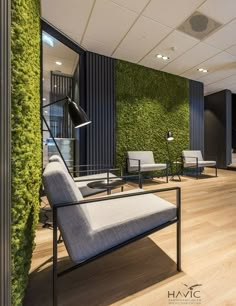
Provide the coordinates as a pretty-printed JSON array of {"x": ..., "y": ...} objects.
[{"x": 115, "y": 183}]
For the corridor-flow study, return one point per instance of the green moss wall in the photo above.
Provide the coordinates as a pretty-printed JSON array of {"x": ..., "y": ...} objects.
[
  {"x": 26, "y": 138},
  {"x": 149, "y": 103}
]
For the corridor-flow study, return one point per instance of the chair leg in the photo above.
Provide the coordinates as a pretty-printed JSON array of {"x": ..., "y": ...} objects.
[
  {"x": 140, "y": 180},
  {"x": 54, "y": 286},
  {"x": 166, "y": 174},
  {"x": 216, "y": 171},
  {"x": 178, "y": 230},
  {"x": 197, "y": 174}
]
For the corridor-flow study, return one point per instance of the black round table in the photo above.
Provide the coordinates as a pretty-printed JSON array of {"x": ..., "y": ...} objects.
[{"x": 108, "y": 185}]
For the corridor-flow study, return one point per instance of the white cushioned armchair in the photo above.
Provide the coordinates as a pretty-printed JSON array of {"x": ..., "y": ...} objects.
[
  {"x": 94, "y": 227},
  {"x": 143, "y": 161},
  {"x": 194, "y": 159}
]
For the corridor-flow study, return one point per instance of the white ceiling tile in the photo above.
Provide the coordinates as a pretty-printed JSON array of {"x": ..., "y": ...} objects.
[
  {"x": 223, "y": 38},
  {"x": 232, "y": 50},
  {"x": 109, "y": 23},
  {"x": 191, "y": 58},
  {"x": 171, "y": 12},
  {"x": 68, "y": 17},
  {"x": 143, "y": 36},
  {"x": 221, "y": 65},
  {"x": 180, "y": 41},
  {"x": 97, "y": 46},
  {"x": 221, "y": 11},
  {"x": 133, "y": 5}
]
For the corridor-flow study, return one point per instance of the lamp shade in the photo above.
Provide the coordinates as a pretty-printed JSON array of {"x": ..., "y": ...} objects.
[
  {"x": 169, "y": 136},
  {"x": 77, "y": 114}
]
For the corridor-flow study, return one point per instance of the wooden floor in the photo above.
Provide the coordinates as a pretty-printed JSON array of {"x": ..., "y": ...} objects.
[{"x": 143, "y": 273}]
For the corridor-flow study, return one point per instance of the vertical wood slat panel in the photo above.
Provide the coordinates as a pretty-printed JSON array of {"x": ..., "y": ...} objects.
[
  {"x": 5, "y": 156},
  {"x": 196, "y": 100},
  {"x": 100, "y": 108}
]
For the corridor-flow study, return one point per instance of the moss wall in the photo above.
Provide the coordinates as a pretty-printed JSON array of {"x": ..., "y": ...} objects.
[
  {"x": 26, "y": 138},
  {"x": 149, "y": 103}
]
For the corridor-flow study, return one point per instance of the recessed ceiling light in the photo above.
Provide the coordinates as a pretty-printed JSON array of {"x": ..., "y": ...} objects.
[
  {"x": 48, "y": 40},
  {"x": 202, "y": 70},
  {"x": 55, "y": 85},
  {"x": 44, "y": 99},
  {"x": 164, "y": 57},
  {"x": 45, "y": 112},
  {"x": 59, "y": 63}
]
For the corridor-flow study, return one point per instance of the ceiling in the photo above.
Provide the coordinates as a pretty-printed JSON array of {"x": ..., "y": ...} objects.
[{"x": 138, "y": 30}]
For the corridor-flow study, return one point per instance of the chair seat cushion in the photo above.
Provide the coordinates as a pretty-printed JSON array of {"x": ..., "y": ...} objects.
[
  {"x": 202, "y": 163},
  {"x": 113, "y": 222},
  {"x": 149, "y": 167}
]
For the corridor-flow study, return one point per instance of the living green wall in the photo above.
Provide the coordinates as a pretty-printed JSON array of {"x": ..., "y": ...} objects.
[
  {"x": 148, "y": 104},
  {"x": 26, "y": 138}
]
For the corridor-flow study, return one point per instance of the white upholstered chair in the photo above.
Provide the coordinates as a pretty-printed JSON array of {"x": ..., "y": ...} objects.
[
  {"x": 143, "y": 161},
  {"x": 194, "y": 159},
  {"x": 92, "y": 228}
]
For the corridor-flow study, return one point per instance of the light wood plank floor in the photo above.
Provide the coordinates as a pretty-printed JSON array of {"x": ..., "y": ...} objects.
[{"x": 142, "y": 273}]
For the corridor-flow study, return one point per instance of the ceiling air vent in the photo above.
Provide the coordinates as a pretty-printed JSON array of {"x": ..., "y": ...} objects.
[{"x": 199, "y": 26}]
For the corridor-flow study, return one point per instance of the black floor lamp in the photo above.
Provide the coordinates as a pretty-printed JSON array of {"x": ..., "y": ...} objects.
[{"x": 77, "y": 115}]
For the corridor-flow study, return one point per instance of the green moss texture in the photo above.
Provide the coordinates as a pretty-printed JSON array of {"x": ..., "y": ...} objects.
[
  {"x": 149, "y": 103},
  {"x": 26, "y": 138}
]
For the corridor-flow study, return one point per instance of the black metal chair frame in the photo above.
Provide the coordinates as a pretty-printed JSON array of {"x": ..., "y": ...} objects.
[
  {"x": 177, "y": 220},
  {"x": 140, "y": 176},
  {"x": 196, "y": 166}
]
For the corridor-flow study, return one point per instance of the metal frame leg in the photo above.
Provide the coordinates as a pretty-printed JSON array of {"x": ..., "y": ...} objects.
[
  {"x": 167, "y": 179},
  {"x": 54, "y": 267},
  {"x": 140, "y": 180},
  {"x": 178, "y": 231},
  {"x": 216, "y": 171}
]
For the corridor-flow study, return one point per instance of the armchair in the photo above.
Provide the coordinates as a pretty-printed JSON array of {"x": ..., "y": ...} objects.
[
  {"x": 143, "y": 161},
  {"x": 194, "y": 159},
  {"x": 93, "y": 228}
]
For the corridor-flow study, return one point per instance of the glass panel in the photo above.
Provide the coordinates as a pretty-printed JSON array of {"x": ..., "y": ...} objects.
[{"x": 59, "y": 66}]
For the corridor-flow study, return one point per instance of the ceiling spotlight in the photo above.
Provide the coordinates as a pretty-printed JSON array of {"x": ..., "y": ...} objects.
[
  {"x": 203, "y": 70},
  {"x": 44, "y": 99},
  {"x": 55, "y": 85},
  {"x": 59, "y": 63},
  {"x": 45, "y": 112},
  {"x": 164, "y": 57}
]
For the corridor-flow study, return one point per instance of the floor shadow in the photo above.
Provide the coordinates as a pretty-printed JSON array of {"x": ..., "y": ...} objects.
[{"x": 104, "y": 281}]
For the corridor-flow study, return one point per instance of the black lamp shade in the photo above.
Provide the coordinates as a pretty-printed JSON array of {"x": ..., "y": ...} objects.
[
  {"x": 169, "y": 136},
  {"x": 77, "y": 114}
]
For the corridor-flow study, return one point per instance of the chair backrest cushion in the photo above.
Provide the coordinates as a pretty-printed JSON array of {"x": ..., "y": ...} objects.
[
  {"x": 72, "y": 221},
  {"x": 146, "y": 157},
  {"x": 57, "y": 158},
  {"x": 190, "y": 156}
]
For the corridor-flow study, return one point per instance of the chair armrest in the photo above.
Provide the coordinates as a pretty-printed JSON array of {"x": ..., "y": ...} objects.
[
  {"x": 191, "y": 157},
  {"x": 139, "y": 162},
  {"x": 127, "y": 195},
  {"x": 125, "y": 177}
]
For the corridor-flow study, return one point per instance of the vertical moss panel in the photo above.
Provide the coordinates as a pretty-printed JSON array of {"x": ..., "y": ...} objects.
[
  {"x": 149, "y": 103},
  {"x": 26, "y": 138}
]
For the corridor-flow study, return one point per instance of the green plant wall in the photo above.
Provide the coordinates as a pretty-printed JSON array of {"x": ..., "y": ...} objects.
[
  {"x": 26, "y": 138},
  {"x": 148, "y": 104}
]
